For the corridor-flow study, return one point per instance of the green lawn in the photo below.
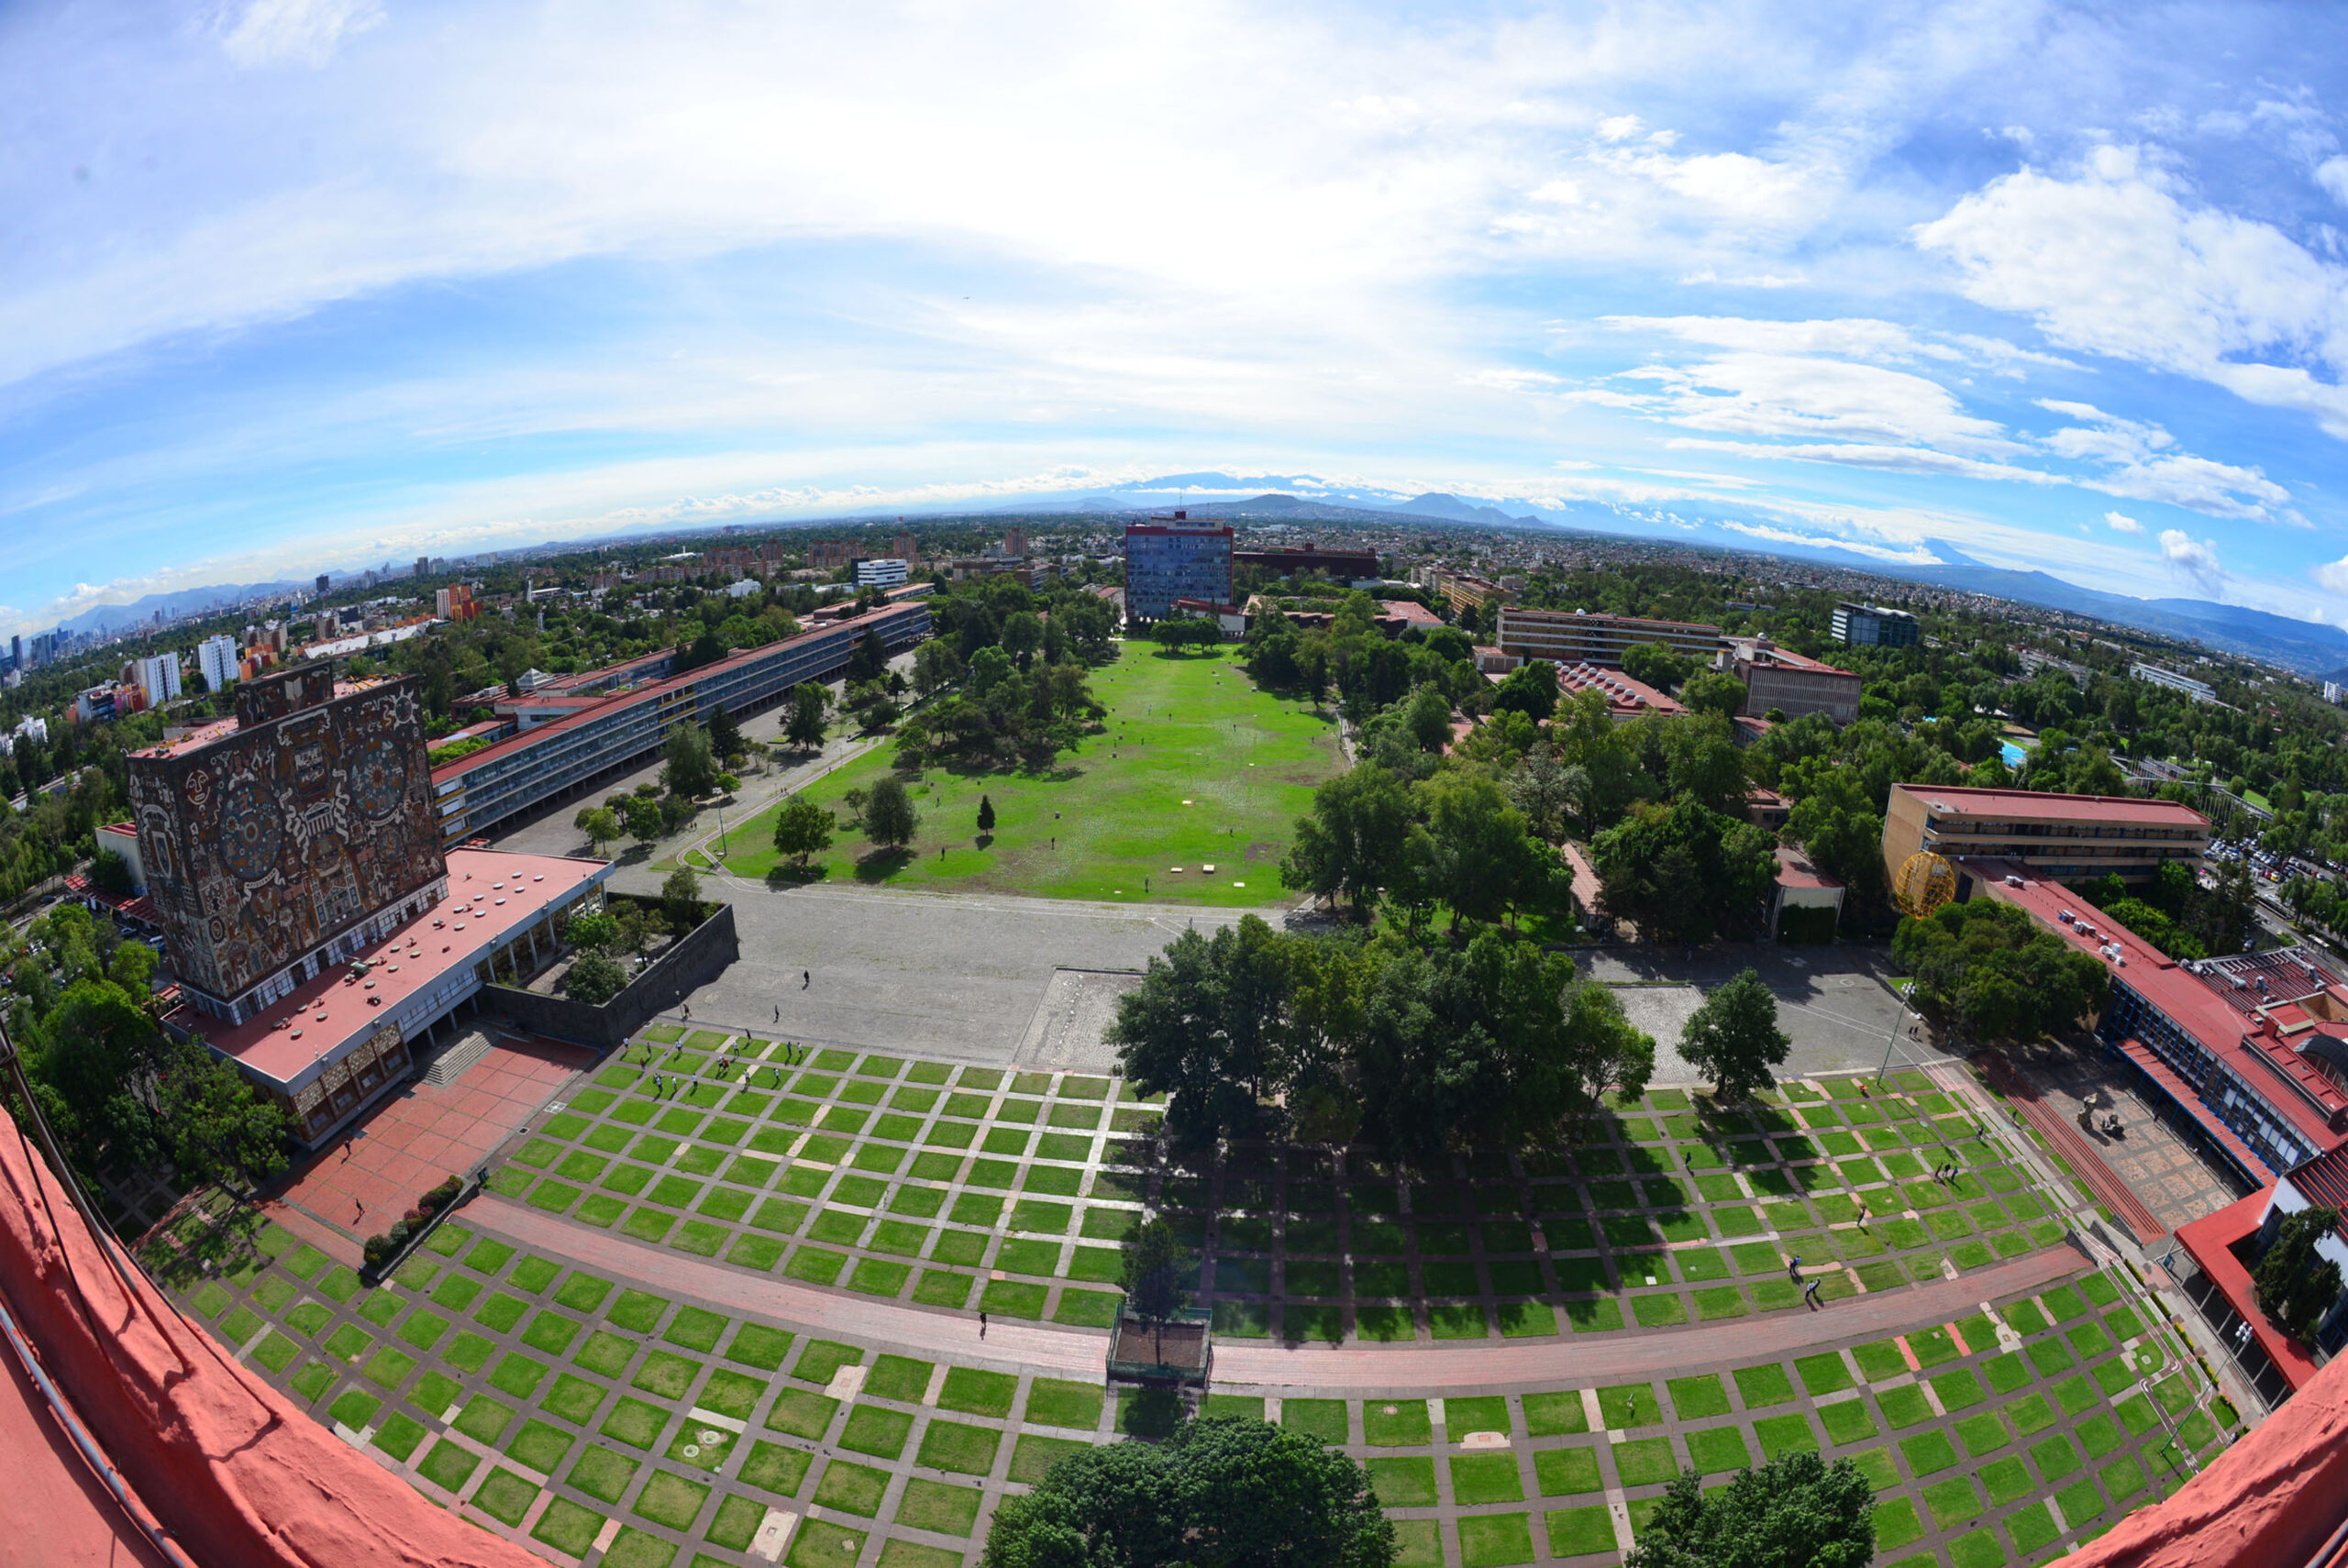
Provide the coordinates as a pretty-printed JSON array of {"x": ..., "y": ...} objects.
[{"x": 1189, "y": 729}]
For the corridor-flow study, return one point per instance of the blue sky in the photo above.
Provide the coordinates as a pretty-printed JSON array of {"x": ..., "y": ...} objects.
[{"x": 292, "y": 285}]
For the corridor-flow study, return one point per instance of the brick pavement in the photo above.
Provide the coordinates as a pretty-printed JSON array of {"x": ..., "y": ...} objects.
[
  {"x": 425, "y": 1134},
  {"x": 1074, "y": 1352},
  {"x": 1354, "y": 1367},
  {"x": 2078, "y": 1153}
]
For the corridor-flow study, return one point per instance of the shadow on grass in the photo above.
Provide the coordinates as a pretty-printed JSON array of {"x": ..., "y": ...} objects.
[
  {"x": 882, "y": 863},
  {"x": 1152, "y": 1413},
  {"x": 790, "y": 875}
]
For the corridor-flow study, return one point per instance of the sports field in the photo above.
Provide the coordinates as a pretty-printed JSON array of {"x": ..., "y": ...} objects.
[{"x": 1191, "y": 797}]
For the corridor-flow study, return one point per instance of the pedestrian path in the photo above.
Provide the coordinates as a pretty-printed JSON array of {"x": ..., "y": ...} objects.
[{"x": 1071, "y": 1351}]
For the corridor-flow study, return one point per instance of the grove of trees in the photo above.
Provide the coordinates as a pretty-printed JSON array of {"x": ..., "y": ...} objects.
[{"x": 1419, "y": 1047}]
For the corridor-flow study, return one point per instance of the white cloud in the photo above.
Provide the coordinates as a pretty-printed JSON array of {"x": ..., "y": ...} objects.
[
  {"x": 2334, "y": 575},
  {"x": 2189, "y": 558},
  {"x": 2142, "y": 462},
  {"x": 1620, "y": 128},
  {"x": 2114, "y": 262},
  {"x": 1766, "y": 395},
  {"x": 296, "y": 32},
  {"x": 2332, "y": 175},
  {"x": 2123, "y": 524}
]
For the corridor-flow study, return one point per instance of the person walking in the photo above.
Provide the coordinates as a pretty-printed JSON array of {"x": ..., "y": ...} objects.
[
  {"x": 1810, "y": 1294},
  {"x": 689, "y": 1012},
  {"x": 983, "y": 1325},
  {"x": 1793, "y": 1269},
  {"x": 807, "y": 979},
  {"x": 778, "y": 1012}
]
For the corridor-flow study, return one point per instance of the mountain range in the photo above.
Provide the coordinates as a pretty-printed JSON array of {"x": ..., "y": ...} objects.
[{"x": 2312, "y": 648}]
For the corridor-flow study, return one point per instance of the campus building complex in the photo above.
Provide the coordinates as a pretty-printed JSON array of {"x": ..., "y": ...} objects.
[
  {"x": 2247, "y": 1057},
  {"x": 580, "y": 730},
  {"x": 1781, "y": 681},
  {"x": 1580, "y": 637},
  {"x": 2069, "y": 838},
  {"x": 1168, "y": 558}
]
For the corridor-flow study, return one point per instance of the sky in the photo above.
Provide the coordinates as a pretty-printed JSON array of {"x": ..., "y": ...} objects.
[{"x": 297, "y": 285}]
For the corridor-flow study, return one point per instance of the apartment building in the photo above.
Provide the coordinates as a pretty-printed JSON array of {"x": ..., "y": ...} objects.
[{"x": 1872, "y": 625}]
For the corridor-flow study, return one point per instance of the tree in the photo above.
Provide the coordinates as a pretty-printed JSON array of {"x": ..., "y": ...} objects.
[
  {"x": 213, "y": 1123},
  {"x": 600, "y": 823},
  {"x": 592, "y": 930},
  {"x": 1484, "y": 863},
  {"x": 1023, "y": 635},
  {"x": 1428, "y": 717},
  {"x": 1548, "y": 792},
  {"x": 1154, "y": 1265},
  {"x": 1733, "y": 1039},
  {"x": 869, "y": 659},
  {"x": 594, "y": 979},
  {"x": 704, "y": 649},
  {"x": 1796, "y": 1511},
  {"x": 724, "y": 734},
  {"x": 890, "y": 819},
  {"x": 809, "y": 703},
  {"x": 1682, "y": 872},
  {"x": 1531, "y": 689},
  {"x": 935, "y": 666},
  {"x": 803, "y": 828},
  {"x": 1989, "y": 967},
  {"x": 680, "y": 899},
  {"x": 1652, "y": 664},
  {"x": 689, "y": 770},
  {"x": 1352, "y": 840},
  {"x": 1220, "y": 1492},
  {"x": 1205, "y": 1027},
  {"x": 644, "y": 820},
  {"x": 986, "y": 814},
  {"x": 2294, "y": 1284},
  {"x": 1714, "y": 691},
  {"x": 110, "y": 872}
]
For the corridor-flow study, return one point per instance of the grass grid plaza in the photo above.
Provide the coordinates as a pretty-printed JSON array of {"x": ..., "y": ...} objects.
[{"x": 577, "y": 1359}]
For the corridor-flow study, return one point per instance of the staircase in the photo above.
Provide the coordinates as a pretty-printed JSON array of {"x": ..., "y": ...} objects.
[{"x": 450, "y": 1064}]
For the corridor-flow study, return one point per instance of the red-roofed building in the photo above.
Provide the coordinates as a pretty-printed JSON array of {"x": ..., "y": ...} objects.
[
  {"x": 1803, "y": 885},
  {"x": 346, "y": 1036},
  {"x": 1781, "y": 681},
  {"x": 1625, "y": 698},
  {"x": 2069, "y": 838}
]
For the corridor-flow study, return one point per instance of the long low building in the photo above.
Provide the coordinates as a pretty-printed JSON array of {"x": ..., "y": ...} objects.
[
  {"x": 1580, "y": 636},
  {"x": 2070, "y": 838},
  {"x": 2252, "y": 1050},
  {"x": 581, "y": 734},
  {"x": 346, "y": 1037}
]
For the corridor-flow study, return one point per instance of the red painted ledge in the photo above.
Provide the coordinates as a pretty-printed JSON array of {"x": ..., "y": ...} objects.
[{"x": 234, "y": 1470}]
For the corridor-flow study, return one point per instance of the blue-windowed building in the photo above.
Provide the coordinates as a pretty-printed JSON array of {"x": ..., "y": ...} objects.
[{"x": 1168, "y": 558}]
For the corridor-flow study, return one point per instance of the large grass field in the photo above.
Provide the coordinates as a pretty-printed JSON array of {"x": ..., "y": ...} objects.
[{"x": 1198, "y": 769}]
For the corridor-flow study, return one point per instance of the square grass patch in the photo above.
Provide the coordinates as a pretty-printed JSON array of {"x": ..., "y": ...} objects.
[
  {"x": 1403, "y": 1483},
  {"x": 953, "y": 1446},
  {"x": 1492, "y": 1540}
]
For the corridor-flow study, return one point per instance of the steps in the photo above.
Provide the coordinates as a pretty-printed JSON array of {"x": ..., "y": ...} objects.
[{"x": 450, "y": 1064}]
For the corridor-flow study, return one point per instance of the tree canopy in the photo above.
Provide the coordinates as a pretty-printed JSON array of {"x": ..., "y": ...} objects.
[
  {"x": 1683, "y": 872},
  {"x": 1989, "y": 967},
  {"x": 1796, "y": 1511},
  {"x": 1220, "y": 1492},
  {"x": 1732, "y": 1038}
]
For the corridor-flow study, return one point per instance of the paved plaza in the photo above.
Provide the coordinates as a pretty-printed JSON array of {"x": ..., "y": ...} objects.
[
  {"x": 736, "y": 1320},
  {"x": 427, "y": 1132}
]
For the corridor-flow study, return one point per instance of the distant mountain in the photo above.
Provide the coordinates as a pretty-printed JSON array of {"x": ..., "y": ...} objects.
[
  {"x": 107, "y": 618},
  {"x": 1437, "y": 503}
]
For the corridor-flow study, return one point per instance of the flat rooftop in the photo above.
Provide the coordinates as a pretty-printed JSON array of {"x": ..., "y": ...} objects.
[
  {"x": 219, "y": 730},
  {"x": 1966, "y": 801},
  {"x": 492, "y": 894}
]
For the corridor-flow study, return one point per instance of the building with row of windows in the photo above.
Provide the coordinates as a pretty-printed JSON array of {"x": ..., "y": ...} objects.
[
  {"x": 1781, "y": 681},
  {"x": 580, "y": 731},
  {"x": 1168, "y": 558},
  {"x": 2069, "y": 838},
  {"x": 1873, "y": 627},
  {"x": 1582, "y": 637}
]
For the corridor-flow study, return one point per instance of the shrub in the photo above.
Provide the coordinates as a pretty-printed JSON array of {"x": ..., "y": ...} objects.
[{"x": 377, "y": 1249}]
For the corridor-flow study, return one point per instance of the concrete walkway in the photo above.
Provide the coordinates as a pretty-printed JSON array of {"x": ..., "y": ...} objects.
[{"x": 1354, "y": 1368}]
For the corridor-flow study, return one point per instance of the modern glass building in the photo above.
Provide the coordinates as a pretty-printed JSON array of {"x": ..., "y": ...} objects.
[{"x": 1171, "y": 558}]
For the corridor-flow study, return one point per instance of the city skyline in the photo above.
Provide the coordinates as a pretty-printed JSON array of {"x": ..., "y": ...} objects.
[{"x": 316, "y": 283}]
